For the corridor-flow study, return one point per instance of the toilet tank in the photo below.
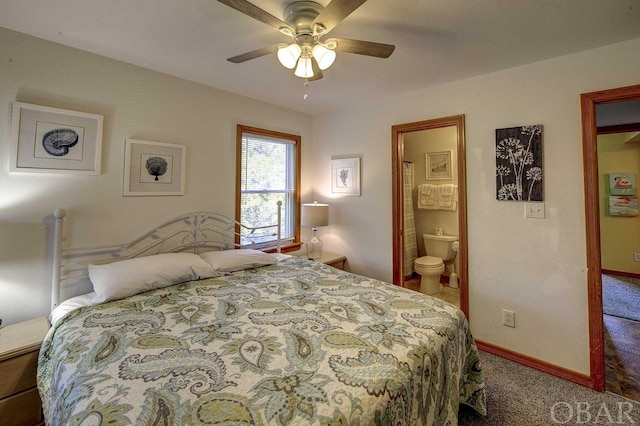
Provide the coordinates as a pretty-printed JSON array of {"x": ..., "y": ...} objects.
[{"x": 440, "y": 245}]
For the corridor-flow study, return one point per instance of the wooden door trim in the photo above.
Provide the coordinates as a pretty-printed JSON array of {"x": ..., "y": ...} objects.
[
  {"x": 588, "y": 102},
  {"x": 397, "y": 156}
]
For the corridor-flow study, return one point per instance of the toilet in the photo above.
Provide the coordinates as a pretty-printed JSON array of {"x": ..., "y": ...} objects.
[{"x": 439, "y": 249}]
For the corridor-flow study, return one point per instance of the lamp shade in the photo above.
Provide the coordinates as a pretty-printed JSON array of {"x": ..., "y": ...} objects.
[
  {"x": 324, "y": 56},
  {"x": 304, "y": 69},
  {"x": 288, "y": 56},
  {"x": 315, "y": 215}
]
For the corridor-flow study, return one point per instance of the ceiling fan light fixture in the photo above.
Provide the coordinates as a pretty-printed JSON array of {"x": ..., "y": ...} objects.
[
  {"x": 288, "y": 56},
  {"x": 324, "y": 56},
  {"x": 307, "y": 22},
  {"x": 304, "y": 69}
]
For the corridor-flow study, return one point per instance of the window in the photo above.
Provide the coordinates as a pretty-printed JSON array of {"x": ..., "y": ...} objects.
[{"x": 268, "y": 171}]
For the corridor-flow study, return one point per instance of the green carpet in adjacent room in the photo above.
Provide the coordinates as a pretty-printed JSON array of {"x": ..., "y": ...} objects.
[{"x": 621, "y": 297}]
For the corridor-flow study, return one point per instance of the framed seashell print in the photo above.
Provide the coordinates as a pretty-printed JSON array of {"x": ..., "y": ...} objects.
[
  {"x": 54, "y": 140},
  {"x": 153, "y": 168}
]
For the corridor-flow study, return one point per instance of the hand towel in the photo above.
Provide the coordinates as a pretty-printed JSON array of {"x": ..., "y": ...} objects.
[
  {"x": 427, "y": 195},
  {"x": 447, "y": 198}
]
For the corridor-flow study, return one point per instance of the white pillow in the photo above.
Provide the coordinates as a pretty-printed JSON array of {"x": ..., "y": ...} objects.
[
  {"x": 128, "y": 277},
  {"x": 237, "y": 260}
]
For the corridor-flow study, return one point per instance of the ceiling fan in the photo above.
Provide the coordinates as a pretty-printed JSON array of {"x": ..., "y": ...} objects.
[{"x": 307, "y": 22}]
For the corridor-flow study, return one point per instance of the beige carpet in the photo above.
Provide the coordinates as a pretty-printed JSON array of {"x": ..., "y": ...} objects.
[{"x": 519, "y": 395}]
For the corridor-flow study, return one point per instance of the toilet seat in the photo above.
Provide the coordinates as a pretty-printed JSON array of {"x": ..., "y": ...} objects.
[
  {"x": 429, "y": 268},
  {"x": 429, "y": 262}
]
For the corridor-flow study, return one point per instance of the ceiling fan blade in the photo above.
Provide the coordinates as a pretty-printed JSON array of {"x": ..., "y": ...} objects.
[
  {"x": 317, "y": 72},
  {"x": 253, "y": 54},
  {"x": 255, "y": 12},
  {"x": 335, "y": 12},
  {"x": 368, "y": 48}
]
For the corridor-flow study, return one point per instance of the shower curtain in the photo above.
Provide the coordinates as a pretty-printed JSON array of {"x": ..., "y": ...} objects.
[{"x": 410, "y": 242}]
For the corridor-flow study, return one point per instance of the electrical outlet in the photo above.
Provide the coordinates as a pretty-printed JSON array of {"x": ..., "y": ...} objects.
[
  {"x": 508, "y": 318},
  {"x": 534, "y": 210},
  {"x": 636, "y": 257}
]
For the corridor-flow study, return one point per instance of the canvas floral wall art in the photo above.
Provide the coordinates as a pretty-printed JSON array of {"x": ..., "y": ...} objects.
[{"x": 519, "y": 163}]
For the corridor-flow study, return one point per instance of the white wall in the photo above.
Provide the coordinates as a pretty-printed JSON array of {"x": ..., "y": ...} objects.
[
  {"x": 536, "y": 268},
  {"x": 136, "y": 103}
]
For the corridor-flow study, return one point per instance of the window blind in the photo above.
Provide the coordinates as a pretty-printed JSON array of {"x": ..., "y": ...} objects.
[{"x": 268, "y": 175}]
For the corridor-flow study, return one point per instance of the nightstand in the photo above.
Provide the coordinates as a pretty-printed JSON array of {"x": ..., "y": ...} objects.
[
  {"x": 331, "y": 259},
  {"x": 19, "y": 347}
]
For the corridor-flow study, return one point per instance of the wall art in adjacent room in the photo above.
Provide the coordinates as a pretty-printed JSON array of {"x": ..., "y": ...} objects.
[
  {"x": 620, "y": 205},
  {"x": 622, "y": 183},
  {"x": 438, "y": 165}
]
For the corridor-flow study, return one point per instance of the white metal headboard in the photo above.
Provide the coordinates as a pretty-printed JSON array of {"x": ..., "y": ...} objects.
[{"x": 194, "y": 232}]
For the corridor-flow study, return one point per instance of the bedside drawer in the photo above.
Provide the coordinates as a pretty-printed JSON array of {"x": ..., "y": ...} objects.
[
  {"x": 18, "y": 374},
  {"x": 21, "y": 409},
  {"x": 332, "y": 259}
]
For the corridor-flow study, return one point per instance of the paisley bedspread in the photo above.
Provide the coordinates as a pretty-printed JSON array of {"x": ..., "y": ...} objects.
[{"x": 288, "y": 344}]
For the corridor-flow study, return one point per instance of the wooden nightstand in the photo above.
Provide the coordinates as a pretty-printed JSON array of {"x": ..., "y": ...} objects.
[
  {"x": 331, "y": 259},
  {"x": 19, "y": 347}
]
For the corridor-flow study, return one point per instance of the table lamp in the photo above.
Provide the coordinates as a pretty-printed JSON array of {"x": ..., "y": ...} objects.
[{"x": 314, "y": 215}]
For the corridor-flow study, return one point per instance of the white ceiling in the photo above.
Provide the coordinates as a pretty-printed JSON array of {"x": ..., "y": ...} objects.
[{"x": 436, "y": 41}]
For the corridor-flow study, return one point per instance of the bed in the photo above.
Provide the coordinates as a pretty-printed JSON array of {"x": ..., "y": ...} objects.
[{"x": 255, "y": 338}]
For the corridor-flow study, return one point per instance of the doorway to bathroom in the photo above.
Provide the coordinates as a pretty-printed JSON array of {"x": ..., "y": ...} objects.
[{"x": 429, "y": 156}]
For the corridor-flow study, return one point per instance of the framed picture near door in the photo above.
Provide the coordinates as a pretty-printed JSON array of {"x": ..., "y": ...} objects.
[{"x": 345, "y": 176}]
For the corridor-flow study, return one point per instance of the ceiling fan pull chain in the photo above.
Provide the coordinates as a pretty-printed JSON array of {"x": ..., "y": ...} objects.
[{"x": 306, "y": 86}]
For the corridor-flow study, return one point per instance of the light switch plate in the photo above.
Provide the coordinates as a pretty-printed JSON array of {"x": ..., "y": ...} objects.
[{"x": 534, "y": 210}]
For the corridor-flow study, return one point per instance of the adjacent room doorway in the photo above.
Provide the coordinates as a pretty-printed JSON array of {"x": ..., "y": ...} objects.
[
  {"x": 398, "y": 133},
  {"x": 589, "y": 101}
]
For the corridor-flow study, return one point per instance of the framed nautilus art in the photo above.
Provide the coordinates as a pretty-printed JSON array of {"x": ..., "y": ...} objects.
[
  {"x": 153, "y": 168},
  {"x": 54, "y": 140}
]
